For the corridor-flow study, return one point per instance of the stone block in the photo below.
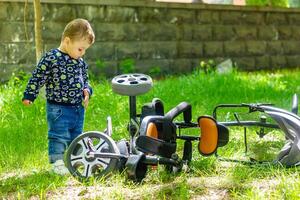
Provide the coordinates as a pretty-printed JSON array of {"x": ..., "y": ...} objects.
[
  {"x": 16, "y": 12},
  {"x": 91, "y": 13},
  {"x": 267, "y": 33},
  {"x": 222, "y": 33},
  {"x": 181, "y": 66},
  {"x": 151, "y": 15},
  {"x": 29, "y": 12},
  {"x": 158, "y": 32},
  {"x": 276, "y": 18},
  {"x": 149, "y": 50},
  {"x": 295, "y": 32},
  {"x": 131, "y": 31},
  {"x": 234, "y": 48},
  {"x": 190, "y": 49},
  {"x": 121, "y": 14},
  {"x": 294, "y": 18},
  {"x": 52, "y": 31},
  {"x": 202, "y": 32},
  {"x": 253, "y": 18},
  {"x": 207, "y": 17},
  {"x": 262, "y": 62},
  {"x": 230, "y": 17},
  {"x": 14, "y": 32},
  {"x": 145, "y": 66},
  {"x": 4, "y": 53},
  {"x": 117, "y": 32},
  {"x": 245, "y": 32},
  {"x": 20, "y": 53},
  {"x": 60, "y": 14},
  {"x": 6, "y": 71},
  {"x": 125, "y": 50},
  {"x": 3, "y": 11},
  {"x": 213, "y": 49},
  {"x": 274, "y": 47},
  {"x": 27, "y": 68},
  {"x": 107, "y": 32},
  {"x": 256, "y": 48},
  {"x": 181, "y": 16},
  {"x": 166, "y": 50},
  {"x": 101, "y": 50},
  {"x": 291, "y": 47},
  {"x": 293, "y": 61},
  {"x": 245, "y": 63},
  {"x": 184, "y": 32},
  {"x": 278, "y": 62},
  {"x": 195, "y": 62},
  {"x": 284, "y": 32},
  {"x": 158, "y": 50}
]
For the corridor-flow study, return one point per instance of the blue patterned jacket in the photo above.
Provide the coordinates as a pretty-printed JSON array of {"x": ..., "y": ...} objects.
[{"x": 65, "y": 79}]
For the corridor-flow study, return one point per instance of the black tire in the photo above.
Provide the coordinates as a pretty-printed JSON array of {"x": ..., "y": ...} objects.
[{"x": 82, "y": 167}]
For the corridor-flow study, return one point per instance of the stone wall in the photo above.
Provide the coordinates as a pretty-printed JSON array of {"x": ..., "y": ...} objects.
[{"x": 172, "y": 36}]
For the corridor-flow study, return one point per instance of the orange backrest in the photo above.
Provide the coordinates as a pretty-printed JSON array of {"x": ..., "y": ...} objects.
[
  {"x": 152, "y": 130},
  {"x": 208, "y": 135}
]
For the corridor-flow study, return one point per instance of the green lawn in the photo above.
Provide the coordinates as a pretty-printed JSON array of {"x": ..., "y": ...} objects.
[{"x": 23, "y": 141}]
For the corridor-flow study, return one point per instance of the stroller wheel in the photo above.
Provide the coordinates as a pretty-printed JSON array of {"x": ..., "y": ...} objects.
[{"x": 83, "y": 166}]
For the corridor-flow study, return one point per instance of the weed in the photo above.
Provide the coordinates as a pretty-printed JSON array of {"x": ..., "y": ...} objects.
[{"x": 127, "y": 66}]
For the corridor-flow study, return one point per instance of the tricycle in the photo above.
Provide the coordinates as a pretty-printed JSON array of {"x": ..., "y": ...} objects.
[{"x": 154, "y": 135}]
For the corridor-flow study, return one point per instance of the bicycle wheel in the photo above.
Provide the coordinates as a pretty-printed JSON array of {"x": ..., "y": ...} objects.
[{"x": 83, "y": 166}]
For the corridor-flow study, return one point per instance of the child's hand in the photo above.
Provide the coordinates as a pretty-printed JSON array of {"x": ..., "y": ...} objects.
[
  {"x": 27, "y": 102},
  {"x": 86, "y": 95}
]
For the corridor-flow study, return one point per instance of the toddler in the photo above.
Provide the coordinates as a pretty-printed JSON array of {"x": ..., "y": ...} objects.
[{"x": 65, "y": 76}]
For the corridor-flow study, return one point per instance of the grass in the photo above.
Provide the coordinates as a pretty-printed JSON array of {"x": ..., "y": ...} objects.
[{"x": 23, "y": 141}]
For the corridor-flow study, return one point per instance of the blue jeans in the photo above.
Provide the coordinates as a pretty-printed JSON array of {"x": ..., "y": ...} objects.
[{"x": 65, "y": 123}]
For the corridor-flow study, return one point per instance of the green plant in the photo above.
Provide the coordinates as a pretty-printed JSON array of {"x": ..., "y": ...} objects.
[
  {"x": 99, "y": 72},
  {"x": 18, "y": 77},
  {"x": 279, "y": 3},
  {"x": 208, "y": 66},
  {"x": 100, "y": 64},
  {"x": 155, "y": 71},
  {"x": 127, "y": 66}
]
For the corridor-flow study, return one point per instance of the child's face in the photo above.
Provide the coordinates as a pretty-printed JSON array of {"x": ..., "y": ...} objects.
[{"x": 76, "y": 49}]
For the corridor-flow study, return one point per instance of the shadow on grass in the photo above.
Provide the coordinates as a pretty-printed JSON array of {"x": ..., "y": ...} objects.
[{"x": 30, "y": 185}]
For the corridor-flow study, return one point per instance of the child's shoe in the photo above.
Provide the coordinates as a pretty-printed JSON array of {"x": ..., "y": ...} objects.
[{"x": 59, "y": 168}]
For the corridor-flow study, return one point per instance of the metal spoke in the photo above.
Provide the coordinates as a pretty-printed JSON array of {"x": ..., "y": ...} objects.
[
  {"x": 98, "y": 146},
  {"x": 77, "y": 158},
  {"x": 103, "y": 162},
  {"x": 87, "y": 170},
  {"x": 83, "y": 143}
]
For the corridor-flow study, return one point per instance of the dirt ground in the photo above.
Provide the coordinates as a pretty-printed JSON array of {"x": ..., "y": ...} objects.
[{"x": 208, "y": 188}]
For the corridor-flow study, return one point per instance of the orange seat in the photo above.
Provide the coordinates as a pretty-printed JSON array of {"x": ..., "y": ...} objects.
[
  {"x": 152, "y": 130},
  {"x": 209, "y": 135}
]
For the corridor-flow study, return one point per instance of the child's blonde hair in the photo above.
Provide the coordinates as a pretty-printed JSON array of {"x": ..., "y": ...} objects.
[{"x": 79, "y": 29}]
